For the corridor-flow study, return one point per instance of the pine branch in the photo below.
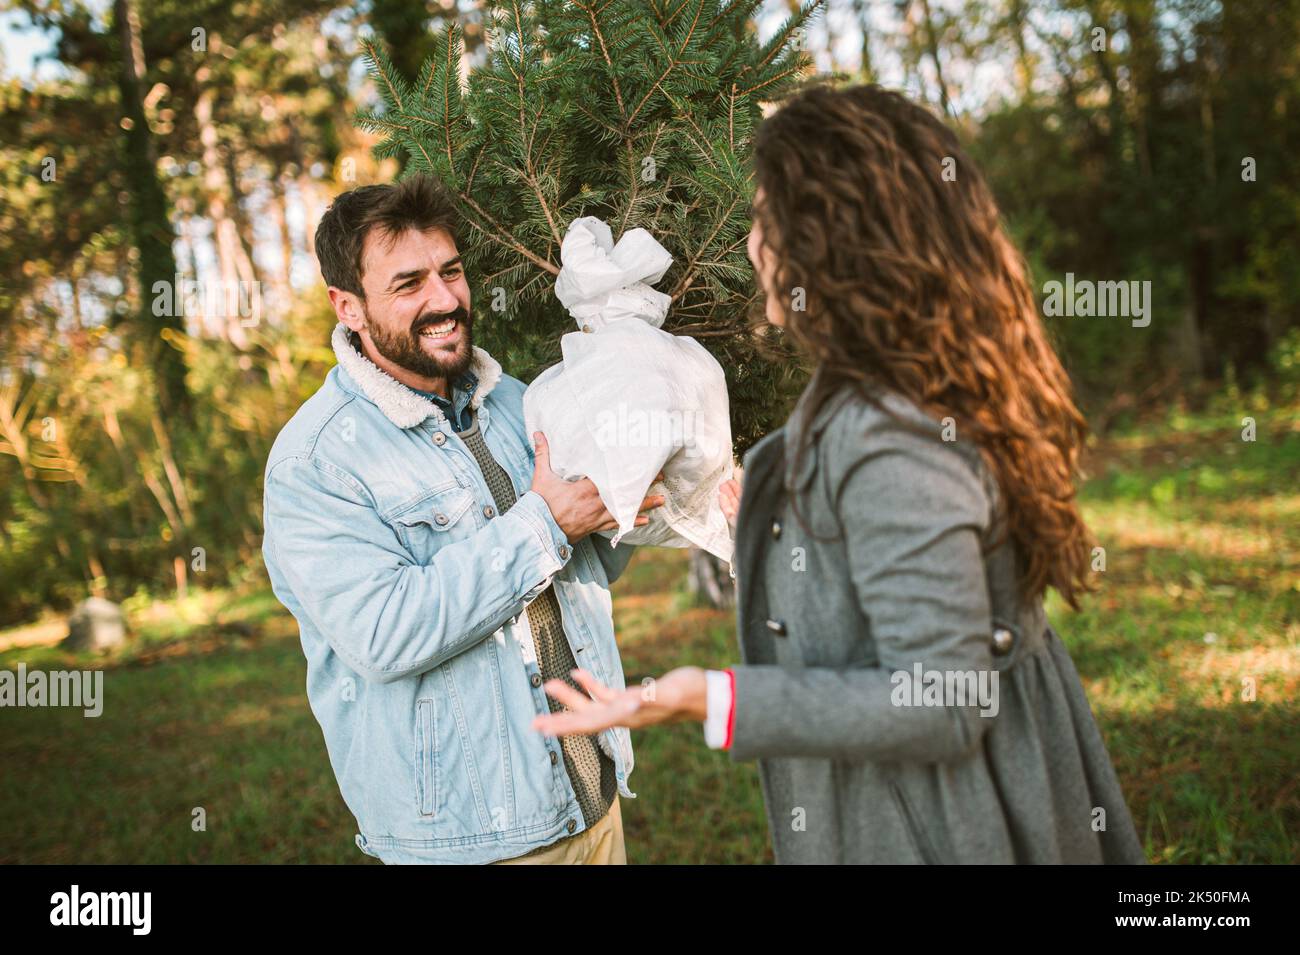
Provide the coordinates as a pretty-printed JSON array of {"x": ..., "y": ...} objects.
[
  {"x": 699, "y": 4},
  {"x": 688, "y": 277},
  {"x": 590, "y": 10},
  {"x": 557, "y": 123}
]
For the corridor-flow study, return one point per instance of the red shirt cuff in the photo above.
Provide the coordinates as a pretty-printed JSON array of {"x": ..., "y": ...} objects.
[{"x": 731, "y": 714}]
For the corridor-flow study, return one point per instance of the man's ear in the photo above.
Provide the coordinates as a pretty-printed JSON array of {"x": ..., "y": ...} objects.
[{"x": 348, "y": 308}]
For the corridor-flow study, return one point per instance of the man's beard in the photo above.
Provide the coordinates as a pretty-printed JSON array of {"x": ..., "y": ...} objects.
[{"x": 405, "y": 350}]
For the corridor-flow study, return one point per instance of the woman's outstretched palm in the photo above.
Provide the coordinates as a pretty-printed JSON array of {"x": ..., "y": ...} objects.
[{"x": 678, "y": 695}]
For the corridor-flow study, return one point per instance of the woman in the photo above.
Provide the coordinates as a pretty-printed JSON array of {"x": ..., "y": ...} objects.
[{"x": 901, "y": 688}]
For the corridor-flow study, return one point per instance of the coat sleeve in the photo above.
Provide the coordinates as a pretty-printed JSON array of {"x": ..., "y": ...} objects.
[
  {"x": 912, "y": 512},
  {"x": 385, "y": 614}
]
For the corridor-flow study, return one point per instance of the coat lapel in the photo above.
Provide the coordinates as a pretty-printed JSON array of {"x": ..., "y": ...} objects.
[
  {"x": 758, "y": 499},
  {"x": 768, "y": 476},
  {"x": 799, "y": 473}
]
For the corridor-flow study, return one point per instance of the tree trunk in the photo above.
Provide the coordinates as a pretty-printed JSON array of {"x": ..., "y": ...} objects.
[
  {"x": 232, "y": 258},
  {"x": 150, "y": 224},
  {"x": 709, "y": 580},
  {"x": 280, "y": 214},
  {"x": 932, "y": 47}
]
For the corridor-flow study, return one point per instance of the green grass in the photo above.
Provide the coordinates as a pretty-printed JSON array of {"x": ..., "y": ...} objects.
[
  {"x": 206, "y": 709},
  {"x": 1198, "y": 610}
]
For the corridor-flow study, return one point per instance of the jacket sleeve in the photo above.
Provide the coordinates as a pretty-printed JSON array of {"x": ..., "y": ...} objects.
[
  {"x": 386, "y": 615},
  {"x": 912, "y": 512},
  {"x": 613, "y": 559}
]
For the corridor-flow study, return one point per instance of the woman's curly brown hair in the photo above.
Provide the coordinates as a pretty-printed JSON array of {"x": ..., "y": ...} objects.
[{"x": 912, "y": 285}]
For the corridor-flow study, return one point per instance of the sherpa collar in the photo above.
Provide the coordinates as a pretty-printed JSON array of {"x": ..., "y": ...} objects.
[{"x": 402, "y": 406}]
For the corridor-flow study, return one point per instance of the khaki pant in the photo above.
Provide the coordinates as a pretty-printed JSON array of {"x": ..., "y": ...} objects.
[{"x": 602, "y": 844}]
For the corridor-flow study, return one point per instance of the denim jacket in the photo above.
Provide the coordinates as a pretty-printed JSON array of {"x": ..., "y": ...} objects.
[{"x": 382, "y": 539}]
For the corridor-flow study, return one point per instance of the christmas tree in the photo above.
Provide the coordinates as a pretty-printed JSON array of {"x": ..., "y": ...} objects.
[{"x": 640, "y": 112}]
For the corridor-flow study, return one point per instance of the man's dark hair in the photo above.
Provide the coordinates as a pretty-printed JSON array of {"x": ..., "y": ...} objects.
[{"x": 420, "y": 202}]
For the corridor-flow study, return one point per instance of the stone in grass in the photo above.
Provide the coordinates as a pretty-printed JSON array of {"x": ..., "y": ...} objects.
[{"x": 96, "y": 626}]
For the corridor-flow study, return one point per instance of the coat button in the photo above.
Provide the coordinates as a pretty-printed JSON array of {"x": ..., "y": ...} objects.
[
  {"x": 535, "y": 679},
  {"x": 587, "y": 328},
  {"x": 1003, "y": 640},
  {"x": 776, "y": 530},
  {"x": 555, "y": 758},
  {"x": 439, "y": 438},
  {"x": 440, "y": 519},
  {"x": 571, "y": 825},
  {"x": 488, "y": 511},
  {"x": 564, "y": 552},
  {"x": 777, "y": 627}
]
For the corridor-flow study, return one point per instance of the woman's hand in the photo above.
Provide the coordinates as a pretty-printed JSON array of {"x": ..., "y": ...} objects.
[
  {"x": 678, "y": 695},
  {"x": 729, "y": 499}
]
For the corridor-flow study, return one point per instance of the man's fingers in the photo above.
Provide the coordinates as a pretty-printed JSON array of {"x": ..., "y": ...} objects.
[
  {"x": 612, "y": 525},
  {"x": 541, "y": 451},
  {"x": 654, "y": 500}
]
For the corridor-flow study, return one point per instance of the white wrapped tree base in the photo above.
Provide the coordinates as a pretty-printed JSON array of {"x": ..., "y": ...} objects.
[{"x": 630, "y": 400}]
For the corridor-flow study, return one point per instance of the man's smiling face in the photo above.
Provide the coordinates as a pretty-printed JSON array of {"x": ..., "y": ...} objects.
[{"x": 415, "y": 320}]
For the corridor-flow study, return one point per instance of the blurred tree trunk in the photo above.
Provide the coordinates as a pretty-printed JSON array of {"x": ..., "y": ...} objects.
[
  {"x": 232, "y": 257},
  {"x": 312, "y": 208},
  {"x": 234, "y": 188},
  {"x": 1024, "y": 65},
  {"x": 148, "y": 219},
  {"x": 932, "y": 48},
  {"x": 280, "y": 212},
  {"x": 709, "y": 580},
  {"x": 861, "y": 16}
]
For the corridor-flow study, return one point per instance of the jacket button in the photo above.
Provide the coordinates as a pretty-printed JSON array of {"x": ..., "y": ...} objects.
[
  {"x": 776, "y": 530},
  {"x": 1003, "y": 640},
  {"x": 777, "y": 627},
  {"x": 588, "y": 329},
  {"x": 488, "y": 511},
  {"x": 571, "y": 825},
  {"x": 536, "y": 679},
  {"x": 564, "y": 552},
  {"x": 440, "y": 519},
  {"x": 439, "y": 438},
  {"x": 555, "y": 758}
]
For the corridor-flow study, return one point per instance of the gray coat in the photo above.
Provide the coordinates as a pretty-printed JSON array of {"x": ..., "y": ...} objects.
[{"x": 850, "y": 771}]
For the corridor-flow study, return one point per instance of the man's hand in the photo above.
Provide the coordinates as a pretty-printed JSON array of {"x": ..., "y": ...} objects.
[
  {"x": 680, "y": 694},
  {"x": 576, "y": 505}
]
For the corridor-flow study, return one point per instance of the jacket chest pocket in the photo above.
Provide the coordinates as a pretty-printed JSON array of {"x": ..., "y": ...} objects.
[{"x": 435, "y": 520}]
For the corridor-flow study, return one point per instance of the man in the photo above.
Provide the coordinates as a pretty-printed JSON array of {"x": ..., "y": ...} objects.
[{"x": 435, "y": 585}]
